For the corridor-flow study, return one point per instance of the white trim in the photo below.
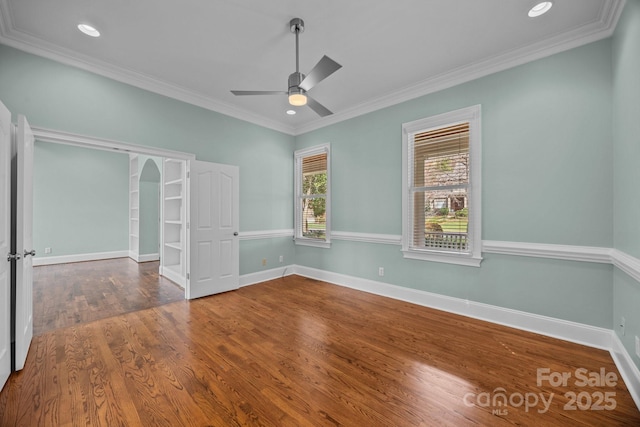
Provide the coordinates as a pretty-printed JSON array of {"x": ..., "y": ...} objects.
[
  {"x": 597, "y": 30},
  {"x": 597, "y": 254},
  {"x": 629, "y": 371},
  {"x": 626, "y": 263},
  {"x": 40, "y": 47},
  {"x": 265, "y": 234},
  {"x": 303, "y": 241},
  {"x": 385, "y": 239},
  {"x": 544, "y": 250},
  {"x": 557, "y": 328},
  {"x": 68, "y": 138},
  {"x": 266, "y": 275},
  {"x": 298, "y": 157},
  {"x": 472, "y": 115},
  {"x": 144, "y": 257},
  {"x": 173, "y": 276},
  {"x": 443, "y": 257},
  {"x": 148, "y": 257},
  {"x": 592, "y": 336},
  {"x": 64, "y": 259}
]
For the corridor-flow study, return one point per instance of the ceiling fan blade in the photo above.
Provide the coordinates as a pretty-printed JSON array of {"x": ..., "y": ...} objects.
[
  {"x": 323, "y": 69},
  {"x": 317, "y": 107},
  {"x": 258, "y": 92}
]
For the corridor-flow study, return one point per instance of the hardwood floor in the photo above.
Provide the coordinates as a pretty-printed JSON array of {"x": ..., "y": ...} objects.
[
  {"x": 70, "y": 294},
  {"x": 298, "y": 352}
]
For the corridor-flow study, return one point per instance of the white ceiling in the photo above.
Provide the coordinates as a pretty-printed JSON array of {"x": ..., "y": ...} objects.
[{"x": 391, "y": 51}]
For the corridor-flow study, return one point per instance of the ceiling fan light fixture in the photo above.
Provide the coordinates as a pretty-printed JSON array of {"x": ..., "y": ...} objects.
[
  {"x": 540, "y": 9},
  {"x": 297, "y": 99}
]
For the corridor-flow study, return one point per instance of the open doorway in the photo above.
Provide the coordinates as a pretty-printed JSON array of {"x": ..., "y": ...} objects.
[
  {"x": 149, "y": 249},
  {"x": 203, "y": 258},
  {"x": 144, "y": 207},
  {"x": 83, "y": 211}
]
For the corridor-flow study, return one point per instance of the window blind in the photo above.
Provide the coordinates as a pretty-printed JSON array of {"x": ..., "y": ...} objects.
[
  {"x": 314, "y": 164},
  {"x": 440, "y": 180},
  {"x": 313, "y": 197}
]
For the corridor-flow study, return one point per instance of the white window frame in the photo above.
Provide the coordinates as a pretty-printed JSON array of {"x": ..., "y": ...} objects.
[
  {"x": 298, "y": 237},
  {"x": 473, "y": 257}
]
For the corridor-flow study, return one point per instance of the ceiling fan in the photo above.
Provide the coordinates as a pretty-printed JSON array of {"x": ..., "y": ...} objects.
[{"x": 299, "y": 84}]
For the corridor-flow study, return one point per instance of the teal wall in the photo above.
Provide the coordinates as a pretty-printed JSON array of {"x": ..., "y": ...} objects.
[
  {"x": 80, "y": 200},
  {"x": 56, "y": 96},
  {"x": 547, "y": 178},
  {"x": 559, "y": 151},
  {"x": 626, "y": 170}
]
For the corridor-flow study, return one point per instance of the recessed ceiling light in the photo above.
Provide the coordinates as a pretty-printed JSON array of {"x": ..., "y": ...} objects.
[
  {"x": 291, "y": 112},
  {"x": 540, "y": 9},
  {"x": 89, "y": 30}
]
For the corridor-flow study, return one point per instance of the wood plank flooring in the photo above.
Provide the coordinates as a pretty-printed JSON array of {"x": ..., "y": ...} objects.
[
  {"x": 299, "y": 352},
  {"x": 70, "y": 294}
]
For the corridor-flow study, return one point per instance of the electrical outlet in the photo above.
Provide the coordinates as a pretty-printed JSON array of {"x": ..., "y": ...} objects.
[
  {"x": 264, "y": 261},
  {"x": 380, "y": 271},
  {"x": 281, "y": 258},
  {"x": 47, "y": 250},
  {"x": 637, "y": 346}
]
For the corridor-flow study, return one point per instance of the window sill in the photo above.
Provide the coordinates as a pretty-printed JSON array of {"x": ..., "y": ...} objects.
[
  {"x": 311, "y": 242},
  {"x": 466, "y": 260}
]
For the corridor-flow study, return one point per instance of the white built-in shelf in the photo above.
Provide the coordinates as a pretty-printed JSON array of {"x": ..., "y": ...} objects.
[
  {"x": 173, "y": 256},
  {"x": 174, "y": 245}
]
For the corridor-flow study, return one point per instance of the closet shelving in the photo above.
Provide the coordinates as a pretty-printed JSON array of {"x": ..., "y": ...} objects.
[
  {"x": 173, "y": 222},
  {"x": 134, "y": 207}
]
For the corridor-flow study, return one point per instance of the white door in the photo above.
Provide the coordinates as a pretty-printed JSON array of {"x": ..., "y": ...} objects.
[
  {"x": 214, "y": 247},
  {"x": 5, "y": 244},
  {"x": 24, "y": 241}
]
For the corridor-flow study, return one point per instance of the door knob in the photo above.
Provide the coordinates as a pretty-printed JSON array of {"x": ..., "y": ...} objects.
[
  {"x": 235, "y": 233},
  {"x": 32, "y": 253}
]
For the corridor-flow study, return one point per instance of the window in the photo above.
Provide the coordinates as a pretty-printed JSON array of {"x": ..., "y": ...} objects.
[
  {"x": 441, "y": 195},
  {"x": 313, "y": 204}
]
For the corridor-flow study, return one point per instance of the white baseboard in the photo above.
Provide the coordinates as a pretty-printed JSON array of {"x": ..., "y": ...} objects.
[
  {"x": 629, "y": 371},
  {"x": 173, "y": 276},
  {"x": 148, "y": 257},
  {"x": 557, "y": 328},
  {"x": 64, "y": 259},
  {"x": 263, "y": 276},
  {"x": 579, "y": 333}
]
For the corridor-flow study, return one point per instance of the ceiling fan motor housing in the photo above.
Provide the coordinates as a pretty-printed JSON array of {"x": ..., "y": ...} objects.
[{"x": 294, "y": 82}]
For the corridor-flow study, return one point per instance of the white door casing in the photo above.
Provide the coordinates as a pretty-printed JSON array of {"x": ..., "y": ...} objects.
[
  {"x": 24, "y": 241},
  {"x": 5, "y": 244},
  {"x": 214, "y": 244}
]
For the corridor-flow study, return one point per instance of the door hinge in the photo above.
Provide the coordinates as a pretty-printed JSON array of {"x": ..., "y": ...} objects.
[
  {"x": 187, "y": 276},
  {"x": 11, "y": 257},
  {"x": 188, "y": 174},
  {"x": 188, "y": 225}
]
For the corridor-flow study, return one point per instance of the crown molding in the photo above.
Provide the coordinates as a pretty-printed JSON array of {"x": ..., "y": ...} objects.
[
  {"x": 596, "y": 30},
  {"x": 27, "y": 43}
]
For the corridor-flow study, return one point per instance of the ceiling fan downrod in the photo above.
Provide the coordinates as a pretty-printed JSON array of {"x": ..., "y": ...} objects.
[
  {"x": 299, "y": 97},
  {"x": 297, "y": 27}
]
